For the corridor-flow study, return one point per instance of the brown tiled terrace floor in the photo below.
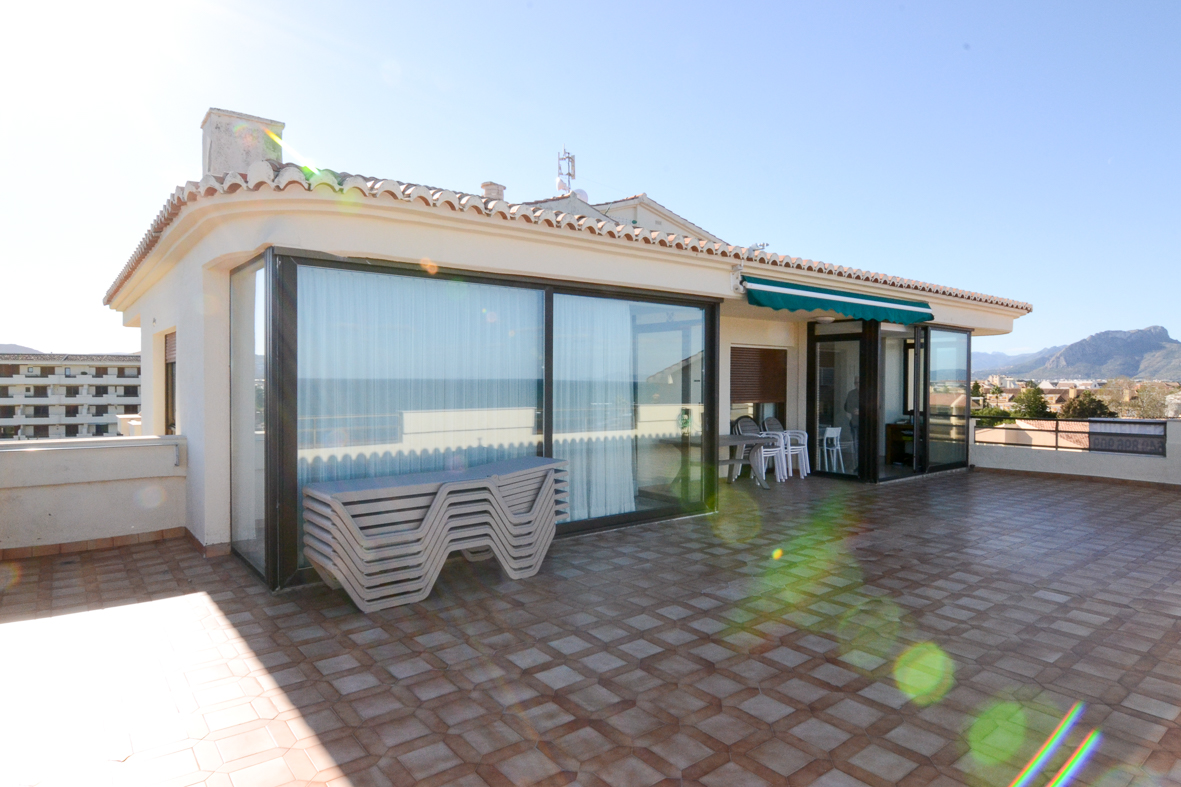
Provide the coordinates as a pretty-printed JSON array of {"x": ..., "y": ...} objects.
[{"x": 675, "y": 653}]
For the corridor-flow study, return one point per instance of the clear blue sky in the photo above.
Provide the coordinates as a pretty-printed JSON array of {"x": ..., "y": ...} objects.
[{"x": 1029, "y": 150}]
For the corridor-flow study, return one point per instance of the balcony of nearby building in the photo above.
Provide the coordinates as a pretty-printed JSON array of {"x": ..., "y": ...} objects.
[{"x": 822, "y": 632}]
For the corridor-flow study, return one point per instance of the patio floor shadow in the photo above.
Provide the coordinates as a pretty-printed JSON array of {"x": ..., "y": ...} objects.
[{"x": 823, "y": 632}]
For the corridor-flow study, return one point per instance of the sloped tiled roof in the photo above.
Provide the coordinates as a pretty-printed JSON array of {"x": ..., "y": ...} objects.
[{"x": 278, "y": 177}]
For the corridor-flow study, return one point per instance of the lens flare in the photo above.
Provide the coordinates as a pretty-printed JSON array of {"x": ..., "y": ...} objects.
[
  {"x": 998, "y": 733},
  {"x": 149, "y": 497},
  {"x": 870, "y": 627},
  {"x": 924, "y": 673},
  {"x": 1076, "y": 761},
  {"x": 287, "y": 146},
  {"x": 10, "y": 576},
  {"x": 428, "y": 266},
  {"x": 1049, "y": 747},
  {"x": 813, "y": 562},
  {"x": 737, "y": 529}
]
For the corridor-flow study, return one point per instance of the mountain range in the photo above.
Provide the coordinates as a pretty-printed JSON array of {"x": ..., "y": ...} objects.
[
  {"x": 18, "y": 349},
  {"x": 1148, "y": 353}
]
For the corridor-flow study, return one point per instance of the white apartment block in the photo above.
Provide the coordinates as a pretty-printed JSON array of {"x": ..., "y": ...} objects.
[{"x": 48, "y": 395}]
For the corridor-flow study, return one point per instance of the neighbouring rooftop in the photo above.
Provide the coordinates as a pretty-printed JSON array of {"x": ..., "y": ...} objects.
[
  {"x": 674, "y": 653},
  {"x": 50, "y": 359}
]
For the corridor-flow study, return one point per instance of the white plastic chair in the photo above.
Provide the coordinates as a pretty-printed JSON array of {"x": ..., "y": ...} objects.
[
  {"x": 831, "y": 449},
  {"x": 797, "y": 445},
  {"x": 776, "y": 453}
]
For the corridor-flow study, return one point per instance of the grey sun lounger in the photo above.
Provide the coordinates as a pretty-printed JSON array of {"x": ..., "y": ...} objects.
[{"x": 384, "y": 540}]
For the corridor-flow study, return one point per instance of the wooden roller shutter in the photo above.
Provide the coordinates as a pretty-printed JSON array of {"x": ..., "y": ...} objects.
[
  {"x": 758, "y": 375},
  {"x": 170, "y": 347}
]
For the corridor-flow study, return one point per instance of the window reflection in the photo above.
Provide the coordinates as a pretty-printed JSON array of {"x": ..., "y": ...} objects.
[
  {"x": 949, "y": 398},
  {"x": 628, "y": 404}
]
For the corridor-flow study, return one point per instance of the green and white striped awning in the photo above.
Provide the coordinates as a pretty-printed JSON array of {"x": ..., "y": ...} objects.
[{"x": 800, "y": 297}]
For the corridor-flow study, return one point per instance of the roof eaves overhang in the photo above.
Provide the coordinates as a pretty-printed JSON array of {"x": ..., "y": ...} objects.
[{"x": 270, "y": 181}]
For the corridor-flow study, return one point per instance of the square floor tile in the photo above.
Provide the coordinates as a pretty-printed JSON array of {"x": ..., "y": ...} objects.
[{"x": 820, "y": 734}]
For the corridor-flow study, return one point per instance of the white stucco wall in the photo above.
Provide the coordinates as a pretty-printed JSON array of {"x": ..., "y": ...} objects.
[
  {"x": 81, "y": 489},
  {"x": 1125, "y": 467},
  {"x": 192, "y": 300},
  {"x": 775, "y": 334}
]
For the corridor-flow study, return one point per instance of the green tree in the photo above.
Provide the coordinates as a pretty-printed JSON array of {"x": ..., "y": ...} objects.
[
  {"x": 1087, "y": 405},
  {"x": 976, "y": 389},
  {"x": 1149, "y": 401},
  {"x": 1118, "y": 394},
  {"x": 1031, "y": 403},
  {"x": 1000, "y": 416},
  {"x": 997, "y": 391}
]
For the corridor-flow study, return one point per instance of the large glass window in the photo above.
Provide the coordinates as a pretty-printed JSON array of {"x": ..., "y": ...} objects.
[
  {"x": 397, "y": 373},
  {"x": 949, "y": 398},
  {"x": 248, "y": 334},
  {"x": 628, "y": 404},
  {"x": 896, "y": 417},
  {"x": 404, "y": 374},
  {"x": 838, "y": 405}
]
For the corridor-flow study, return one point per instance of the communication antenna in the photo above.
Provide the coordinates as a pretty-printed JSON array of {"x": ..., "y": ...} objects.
[
  {"x": 758, "y": 246},
  {"x": 566, "y": 179}
]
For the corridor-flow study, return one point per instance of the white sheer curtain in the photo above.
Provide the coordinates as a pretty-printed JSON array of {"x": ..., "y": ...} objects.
[
  {"x": 594, "y": 403},
  {"x": 402, "y": 374}
]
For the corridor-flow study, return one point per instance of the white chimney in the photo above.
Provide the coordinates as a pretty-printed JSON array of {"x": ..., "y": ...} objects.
[
  {"x": 493, "y": 190},
  {"x": 232, "y": 141}
]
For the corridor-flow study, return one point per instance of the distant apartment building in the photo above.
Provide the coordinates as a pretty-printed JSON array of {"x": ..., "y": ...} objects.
[{"x": 45, "y": 395}]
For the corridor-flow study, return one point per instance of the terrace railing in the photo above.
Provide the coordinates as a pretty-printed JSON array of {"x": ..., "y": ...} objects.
[{"x": 1106, "y": 435}]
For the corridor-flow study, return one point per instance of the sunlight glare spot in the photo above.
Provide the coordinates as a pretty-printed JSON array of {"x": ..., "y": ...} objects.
[
  {"x": 924, "y": 673},
  {"x": 997, "y": 733},
  {"x": 10, "y": 576}
]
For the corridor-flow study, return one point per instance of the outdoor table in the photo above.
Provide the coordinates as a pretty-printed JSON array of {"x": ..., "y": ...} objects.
[{"x": 737, "y": 442}]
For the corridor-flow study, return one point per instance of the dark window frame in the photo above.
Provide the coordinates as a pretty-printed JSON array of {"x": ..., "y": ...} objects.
[
  {"x": 281, "y": 492},
  {"x": 869, "y": 420}
]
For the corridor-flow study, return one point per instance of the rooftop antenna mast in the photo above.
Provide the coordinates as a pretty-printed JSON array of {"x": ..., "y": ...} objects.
[{"x": 566, "y": 179}]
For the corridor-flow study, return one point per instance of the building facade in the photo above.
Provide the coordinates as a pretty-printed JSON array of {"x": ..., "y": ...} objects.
[
  {"x": 44, "y": 396},
  {"x": 328, "y": 326}
]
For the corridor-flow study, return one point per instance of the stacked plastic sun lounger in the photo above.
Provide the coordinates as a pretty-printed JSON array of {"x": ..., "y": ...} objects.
[{"x": 385, "y": 539}]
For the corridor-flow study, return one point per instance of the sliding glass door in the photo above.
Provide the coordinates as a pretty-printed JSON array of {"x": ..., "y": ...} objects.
[
  {"x": 401, "y": 374},
  {"x": 346, "y": 371},
  {"x": 888, "y": 401},
  {"x": 949, "y": 398},
  {"x": 838, "y": 397},
  {"x": 629, "y": 404}
]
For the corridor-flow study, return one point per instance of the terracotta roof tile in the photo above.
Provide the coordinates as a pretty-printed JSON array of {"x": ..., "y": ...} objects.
[{"x": 275, "y": 176}]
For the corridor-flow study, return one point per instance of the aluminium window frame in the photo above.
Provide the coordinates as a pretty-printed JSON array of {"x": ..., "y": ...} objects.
[
  {"x": 281, "y": 493},
  {"x": 923, "y": 334},
  {"x": 870, "y": 415}
]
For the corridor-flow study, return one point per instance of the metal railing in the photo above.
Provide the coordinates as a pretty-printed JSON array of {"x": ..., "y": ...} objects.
[{"x": 1105, "y": 435}]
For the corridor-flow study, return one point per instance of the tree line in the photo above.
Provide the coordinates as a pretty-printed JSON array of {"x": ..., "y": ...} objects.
[{"x": 1120, "y": 397}]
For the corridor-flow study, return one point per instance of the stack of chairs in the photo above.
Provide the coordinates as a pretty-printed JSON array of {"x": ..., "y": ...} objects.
[{"x": 384, "y": 540}]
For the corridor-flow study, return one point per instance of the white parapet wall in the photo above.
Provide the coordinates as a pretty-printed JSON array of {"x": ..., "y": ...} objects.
[
  {"x": 1097, "y": 464},
  {"x": 90, "y": 493}
]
